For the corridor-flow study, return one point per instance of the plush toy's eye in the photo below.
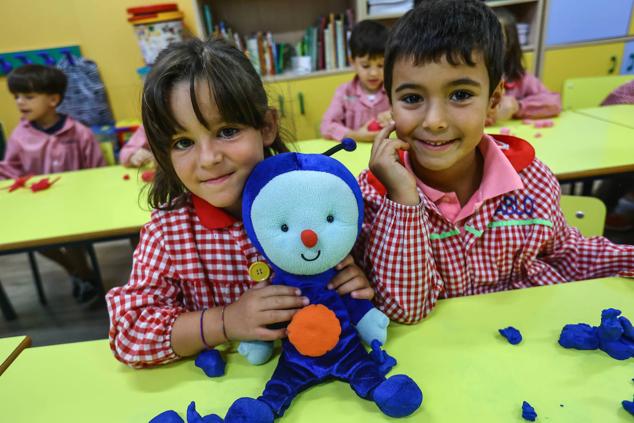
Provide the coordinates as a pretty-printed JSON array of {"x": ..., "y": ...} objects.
[
  {"x": 330, "y": 218},
  {"x": 284, "y": 227}
]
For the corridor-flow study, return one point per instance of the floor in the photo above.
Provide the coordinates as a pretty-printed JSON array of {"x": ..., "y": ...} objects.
[{"x": 63, "y": 320}]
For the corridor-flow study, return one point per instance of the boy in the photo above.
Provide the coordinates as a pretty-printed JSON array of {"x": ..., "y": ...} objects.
[
  {"x": 360, "y": 106},
  {"x": 48, "y": 142},
  {"x": 451, "y": 211}
]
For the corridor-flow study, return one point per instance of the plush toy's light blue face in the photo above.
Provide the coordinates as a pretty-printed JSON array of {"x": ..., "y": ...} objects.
[{"x": 306, "y": 221}]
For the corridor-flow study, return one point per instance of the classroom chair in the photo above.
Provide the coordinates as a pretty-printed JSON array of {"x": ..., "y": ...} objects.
[
  {"x": 3, "y": 141},
  {"x": 581, "y": 93},
  {"x": 584, "y": 213},
  {"x": 108, "y": 153}
]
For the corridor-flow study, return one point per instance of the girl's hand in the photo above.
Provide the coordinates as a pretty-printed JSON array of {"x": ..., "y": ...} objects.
[
  {"x": 262, "y": 305},
  {"x": 384, "y": 118},
  {"x": 363, "y": 134},
  {"x": 507, "y": 107},
  {"x": 351, "y": 280},
  {"x": 141, "y": 157},
  {"x": 385, "y": 164}
]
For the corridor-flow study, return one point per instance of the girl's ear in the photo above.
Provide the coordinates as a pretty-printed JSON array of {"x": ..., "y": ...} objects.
[
  {"x": 270, "y": 129},
  {"x": 496, "y": 96}
]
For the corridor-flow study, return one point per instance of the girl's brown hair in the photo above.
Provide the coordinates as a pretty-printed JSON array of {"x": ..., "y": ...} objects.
[
  {"x": 513, "y": 66},
  {"x": 237, "y": 91}
]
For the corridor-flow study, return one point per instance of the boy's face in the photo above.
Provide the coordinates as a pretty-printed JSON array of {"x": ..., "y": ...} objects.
[
  {"x": 36, "y": 107},
  {"x": 439, "y": 110},
  {"x": 370, "y": 72}
]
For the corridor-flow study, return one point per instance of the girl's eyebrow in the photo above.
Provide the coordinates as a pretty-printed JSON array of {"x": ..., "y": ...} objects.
[
  {"x": 407, "y": 86},
  {"x": 465, "y": 81}
]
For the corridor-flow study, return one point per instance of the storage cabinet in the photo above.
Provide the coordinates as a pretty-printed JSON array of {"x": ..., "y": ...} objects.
[{"x": 627, "y": 66}]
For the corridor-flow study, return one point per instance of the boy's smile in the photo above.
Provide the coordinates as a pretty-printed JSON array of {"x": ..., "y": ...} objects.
[{"x": 439, "y": 110}]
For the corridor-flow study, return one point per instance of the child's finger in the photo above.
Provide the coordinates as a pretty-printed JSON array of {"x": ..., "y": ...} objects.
[
  {"x": 382, "y": 135},
  {"x": 353, "y": 284},
  {"x": 278, "y": 316},
  {"x": 264, "y": 334},
  {"x": 345, "y": 262},
  {"x": 283, "y": 302},
  {"x": 279, "y": 290},
  {"x": 363, "y": 294}
]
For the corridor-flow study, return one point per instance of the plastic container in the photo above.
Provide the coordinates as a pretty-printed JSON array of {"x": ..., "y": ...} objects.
[{"x": 156, "y": 27}]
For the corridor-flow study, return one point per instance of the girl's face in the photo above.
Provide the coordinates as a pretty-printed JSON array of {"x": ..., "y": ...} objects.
[{"x": 214, "y": 163}]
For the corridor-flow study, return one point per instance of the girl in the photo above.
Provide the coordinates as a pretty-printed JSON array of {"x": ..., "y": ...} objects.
[
  {"x": 136, "y": 152},
  {"x": 193, "y": 281},
  {"x": 525, "y": 96}
]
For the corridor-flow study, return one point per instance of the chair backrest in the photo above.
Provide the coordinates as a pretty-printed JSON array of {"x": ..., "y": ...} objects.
[
  {"x": 584, "y": 213},
  {"x": 580, "y": 93},
  {"x": 108, "y": 153}
]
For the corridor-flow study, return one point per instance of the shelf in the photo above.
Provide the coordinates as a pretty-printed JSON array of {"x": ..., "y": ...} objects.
[
  {"x": 290, "y": 76},
  {"x": 490, "y": 3}
]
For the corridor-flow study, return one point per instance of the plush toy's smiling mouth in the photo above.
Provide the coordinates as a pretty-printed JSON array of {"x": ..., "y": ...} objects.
[{"x": 313, "y": 259}]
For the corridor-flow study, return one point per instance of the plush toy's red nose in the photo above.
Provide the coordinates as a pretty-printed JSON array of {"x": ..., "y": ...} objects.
[{"x": 309, "y": 238}]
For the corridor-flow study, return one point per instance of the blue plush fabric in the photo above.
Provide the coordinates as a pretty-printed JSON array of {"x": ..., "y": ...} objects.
[
  {"x": 511, "y": 334},
  {"x": 528, "y": 412},
  {"x": 385, "y": 361},
  {"x": 169, "y": 416},
  {"x": 398, "y": 396},
  {"x": 211, "y": 362}
]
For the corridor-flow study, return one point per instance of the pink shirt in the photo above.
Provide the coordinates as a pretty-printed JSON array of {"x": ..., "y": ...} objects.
[
  {"x": 33, "y": 152},
  {"x": 533, "y": 97},
  {"x": 622, "y": 95},
  {"x": 498, "y": 178},
  {"x": 350, "y": 109},
  {"x": 137, "y": 141}
]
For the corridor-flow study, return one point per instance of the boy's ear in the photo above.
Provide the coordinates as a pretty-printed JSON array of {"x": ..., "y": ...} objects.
[
  {"x": 496, "y": 96},
  {"x": 54, "y": 99},
  {"x": 270, "y": 128}
]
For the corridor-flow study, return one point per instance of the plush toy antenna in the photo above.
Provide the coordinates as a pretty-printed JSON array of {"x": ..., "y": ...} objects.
[{"x": 347, "y": 144}]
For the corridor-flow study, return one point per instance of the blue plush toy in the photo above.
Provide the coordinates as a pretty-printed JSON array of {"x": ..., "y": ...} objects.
[{"x": 304, "y": 212}]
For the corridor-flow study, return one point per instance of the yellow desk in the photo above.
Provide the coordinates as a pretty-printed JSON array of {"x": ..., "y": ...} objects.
[
  {"x": 82, "y": 205},
  {"x": 622, "y": 114},
  {"x": 10, "y": 349},
  {"x": 466, "y": 370},
  {"x": 577, "y": 146}
]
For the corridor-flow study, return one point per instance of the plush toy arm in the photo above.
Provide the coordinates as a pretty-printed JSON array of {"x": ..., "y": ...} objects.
[
  {"x": 373, "y": 326},
  {"x": 256, "y": 352},
  {"x": 357, "y": 309}
]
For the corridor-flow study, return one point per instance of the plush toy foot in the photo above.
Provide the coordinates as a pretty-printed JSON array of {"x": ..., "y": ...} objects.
[
  {"x": 194, "y": 417},
  {"x": 256, "y": 352},
  {"x": 398, "y": 396},
  {"x": 249, "y": 410}
]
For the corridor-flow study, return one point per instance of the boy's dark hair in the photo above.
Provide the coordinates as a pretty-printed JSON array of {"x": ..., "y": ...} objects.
[
  {"x": 237, "y": 91},
  {"x": 368, "y": 38},
  {"x": 37, "y": 79},
  {"x": 454, "y": 29},
  {"x": 513, "y": 67}
]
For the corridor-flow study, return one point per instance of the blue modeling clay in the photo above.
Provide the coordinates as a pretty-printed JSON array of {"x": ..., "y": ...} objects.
[
  {"x": 621, "y": 349},
  {"x": 610, "y": 328},
  {"x": 194, "y": 417},
  {"x": 628, "y": 329},
  {"x": 385, "y": 361},
  {"x": 211, "y": 362},
  {"x": 580, "y": 336},
  {"x": 169, "y": 416},
  {"x": 629, "y": 406},
  {"x": 511, "y": 334},
  {"x": 528, "y": 412}
]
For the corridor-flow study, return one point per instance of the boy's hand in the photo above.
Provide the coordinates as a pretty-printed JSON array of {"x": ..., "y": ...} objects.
[
  {"x": 350, "y": 279},
  {"x": 262, "y": 305},
  {"x": 141, "y": 157},
  {"x": 386, "y": 165}
]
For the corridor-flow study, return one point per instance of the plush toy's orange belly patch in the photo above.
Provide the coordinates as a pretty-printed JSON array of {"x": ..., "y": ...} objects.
[{"x": 314, "y": 330}]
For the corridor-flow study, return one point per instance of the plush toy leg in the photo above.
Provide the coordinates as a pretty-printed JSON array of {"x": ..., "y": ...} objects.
[
  {"x": 249, "y": 410},
  {"x": 398, "y": 396},
  {"x": 288, "y": 380}
]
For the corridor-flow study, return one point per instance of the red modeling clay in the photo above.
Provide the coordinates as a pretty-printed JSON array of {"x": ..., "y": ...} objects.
[
  {"x": 43, "y": 184},
  {"x": 538, "y": 134},
  {"x": 148, "y": 176},
  {"x": 505, "y": 131},
  {"x": 18, "y": 183},
  {"x": 126, "y": 177},
  {"x": 374, "y": 126}
]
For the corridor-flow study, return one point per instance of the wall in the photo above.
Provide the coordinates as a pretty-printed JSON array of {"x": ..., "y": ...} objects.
[{"x": 99, "y": 27}]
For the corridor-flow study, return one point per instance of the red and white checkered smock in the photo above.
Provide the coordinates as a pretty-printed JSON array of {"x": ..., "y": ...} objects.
[
  {"x": 413, "y": 255},
  {"x": 183, "y": 263}
]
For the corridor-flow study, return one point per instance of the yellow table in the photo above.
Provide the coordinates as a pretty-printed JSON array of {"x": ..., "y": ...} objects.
[
  {"x": 466, "y": 370},
  {"x": 82, "y": 205},
  {"x": 577, "y": 146},
  {"x": 621, "y": 114},
  {"x": 87, "y": 205},
  {"x": 10, "y": 348}
]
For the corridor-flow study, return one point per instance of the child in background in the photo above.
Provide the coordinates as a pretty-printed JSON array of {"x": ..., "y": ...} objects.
[
  {"x": 451, "y": 211},
  {"x": 362, "y": 101},
  {"x": 49, "y": 142},
  {"x": 206, "y": 115},
  {"x": 136, "y": 152},
  {"x": 525, "y": 97}
]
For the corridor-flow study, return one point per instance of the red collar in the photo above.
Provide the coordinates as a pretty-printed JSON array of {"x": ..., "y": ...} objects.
[
  {"x": 211, "y": 217},
  {"x": 519, "y": 152}
]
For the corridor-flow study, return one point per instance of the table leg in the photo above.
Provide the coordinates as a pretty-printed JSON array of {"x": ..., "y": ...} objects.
[
  {"x": 95, "y": 265},
  {"x": 36, "y": 276},
  {"x": 5, "y": 305}
]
